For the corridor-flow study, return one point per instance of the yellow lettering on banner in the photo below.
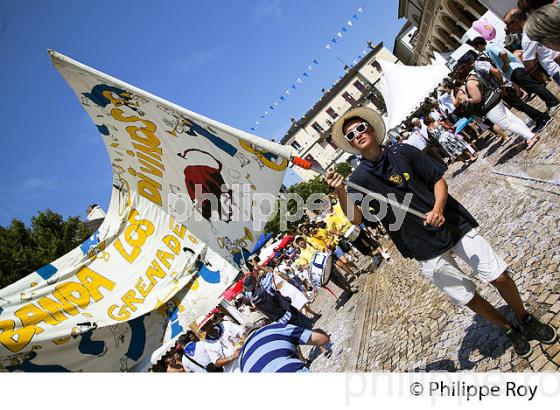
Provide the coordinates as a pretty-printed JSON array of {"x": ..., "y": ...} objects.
[
  {"x": 149, "y": 138},
  {"x": 180, "y": 230},
  {"x": 172, "y": 243},
  {"x": 15, "y": 339},
  {"x": 30, "y": 315},
  {"x": 129, "y": 299},
  {"x": 118, "y": 115},
  {"x": 142, "y": 289},
  {"x": 155, "y": 153},
  {"x": 55, "y": 308},
  {"x": 155, "y": 270},
  {"x": 121, "y": 315},
  {"x": 149, "y": 188},
  {"x": 163, "y": 258},
  {"x": 67, "y": 290},
  {"x": 93, "y": 281},
  {"x": 135, "y": 235}
]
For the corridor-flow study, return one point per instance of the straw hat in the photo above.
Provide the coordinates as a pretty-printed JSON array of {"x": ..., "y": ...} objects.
[{"x": 367, "y": 114}]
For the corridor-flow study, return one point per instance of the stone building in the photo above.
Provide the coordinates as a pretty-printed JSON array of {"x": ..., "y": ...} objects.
[
  {"x": 440, "y": 24},
  {"x": 310, "y": 136}
]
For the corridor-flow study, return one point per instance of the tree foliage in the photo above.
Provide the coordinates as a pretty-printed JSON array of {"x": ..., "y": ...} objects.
[{"x": 24, "y": 250}]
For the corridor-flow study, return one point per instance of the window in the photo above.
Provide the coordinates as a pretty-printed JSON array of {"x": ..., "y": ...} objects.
[
  {"x": 358, "y": 84},
  {"x": 376, "y": 65},
  {"x": 332, "y": 113},
  {"x": 313, "y": 161},
  {"x": 349, "y": 98},
  {"x": 317, "y": 127},
  {"x": 296, "y": 146},
  {"x": 331, "y": 143}
]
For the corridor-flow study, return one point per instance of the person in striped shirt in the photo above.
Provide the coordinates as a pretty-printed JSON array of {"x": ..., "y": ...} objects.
[{"x": 275, "y": 348}]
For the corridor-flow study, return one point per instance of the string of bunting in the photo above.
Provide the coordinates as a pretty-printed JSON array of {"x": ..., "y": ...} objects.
[{"x": 311, "y": 67}]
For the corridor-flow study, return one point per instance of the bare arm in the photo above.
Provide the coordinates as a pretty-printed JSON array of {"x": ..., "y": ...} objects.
[
  {"x": 227, "y": 360},
  {"x": 497, "y": 74},
  {"x": 474, "y": 92},
  {"x": 352, "y": 212},
  {"x": 318, "y": 338},
  {"x": 435, "y": 216},
  {"x": 505, "y": 60}
]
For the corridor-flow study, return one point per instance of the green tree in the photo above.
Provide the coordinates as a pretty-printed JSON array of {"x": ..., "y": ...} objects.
[
  {"x": 343, "y": 168},
  {"x": 304, "y": 190},
  {"x": 24, "y": 250}
]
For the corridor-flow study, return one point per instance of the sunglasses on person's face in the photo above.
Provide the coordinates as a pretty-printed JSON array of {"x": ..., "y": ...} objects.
[{"x": 358, "y": 129}]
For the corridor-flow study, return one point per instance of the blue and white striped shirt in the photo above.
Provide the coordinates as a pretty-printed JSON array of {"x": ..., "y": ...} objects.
[{"x": 272, "y": 348}]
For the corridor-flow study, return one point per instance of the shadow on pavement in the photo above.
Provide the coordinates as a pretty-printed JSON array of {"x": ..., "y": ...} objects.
[
  {"x": 445, "y": 365},
  {"x": 485, "y": 338},
  {"x": 511, "y": 153},
  {"x": 492, "y": 150}
]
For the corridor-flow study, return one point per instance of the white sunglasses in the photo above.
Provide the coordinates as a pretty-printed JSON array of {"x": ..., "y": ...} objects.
[{"x": 358, "y": 129}]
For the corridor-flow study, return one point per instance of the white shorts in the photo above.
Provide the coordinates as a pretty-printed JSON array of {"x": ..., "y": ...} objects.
[{"x": 444, "y": 272}]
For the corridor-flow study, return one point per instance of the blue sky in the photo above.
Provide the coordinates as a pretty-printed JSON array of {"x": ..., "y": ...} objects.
[{"x": 229, "y": 60}]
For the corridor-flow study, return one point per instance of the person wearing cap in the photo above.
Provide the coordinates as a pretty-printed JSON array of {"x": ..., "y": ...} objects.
[{"x": 411, "y": 177}]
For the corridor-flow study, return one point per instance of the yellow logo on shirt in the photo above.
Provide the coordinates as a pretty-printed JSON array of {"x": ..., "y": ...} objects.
[{"x": 397, "y": 179}]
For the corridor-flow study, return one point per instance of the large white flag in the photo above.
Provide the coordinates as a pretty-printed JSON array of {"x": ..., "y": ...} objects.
[{"x": 106, "y": 305}]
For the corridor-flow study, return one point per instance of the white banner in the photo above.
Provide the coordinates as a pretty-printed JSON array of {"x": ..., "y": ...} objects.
[{"x": 106, "y": 305}]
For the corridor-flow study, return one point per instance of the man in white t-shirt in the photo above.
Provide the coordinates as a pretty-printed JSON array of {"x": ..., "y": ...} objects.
[
  {"x": 417, "y": 140},
  {"x": 223, "y": 342},
  {"x": 533, "y": 52}
]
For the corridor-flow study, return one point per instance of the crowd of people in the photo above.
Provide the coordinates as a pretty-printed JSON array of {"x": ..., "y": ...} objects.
[
  {"x": 486, "y": 83},
  {"x": 323, "y": 250}
]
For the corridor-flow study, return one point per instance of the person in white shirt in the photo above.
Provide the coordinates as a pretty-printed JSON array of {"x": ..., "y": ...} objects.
[
  {"x": 223, "y": 342},
  {"x": 195, "y": 358},
  {"x": 420, "y": 139},
  {"x": 533, "y": 52}
]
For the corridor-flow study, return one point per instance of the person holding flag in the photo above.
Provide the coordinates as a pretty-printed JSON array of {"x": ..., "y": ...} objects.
[{"x": 407, "y": 173}]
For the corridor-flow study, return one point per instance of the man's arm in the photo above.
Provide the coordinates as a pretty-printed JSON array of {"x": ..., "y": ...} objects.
[
  {"x": 352, "y": 212},
  {"x": 505, "y": 60},
  {"x": 318, "y": 338},
  {"x": 227, "y": 360},
  {"x": 435, "y": 216}
]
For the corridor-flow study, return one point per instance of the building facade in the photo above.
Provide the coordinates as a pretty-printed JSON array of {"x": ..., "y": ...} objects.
[
  {"x": 403, "y": 48},
  {"x": 441, "y": 25},
  {"x": 310, "y": 136}
]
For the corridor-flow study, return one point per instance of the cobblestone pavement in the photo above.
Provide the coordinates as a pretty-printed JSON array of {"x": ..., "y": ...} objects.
[{"x": 409, "y": 325}]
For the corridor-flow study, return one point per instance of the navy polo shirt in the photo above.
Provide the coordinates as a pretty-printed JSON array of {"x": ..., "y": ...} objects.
[{"x": 403, "y": 169}]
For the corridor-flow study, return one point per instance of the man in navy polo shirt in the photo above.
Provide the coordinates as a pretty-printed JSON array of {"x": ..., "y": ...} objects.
[{"x": 410, "y": 175}]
